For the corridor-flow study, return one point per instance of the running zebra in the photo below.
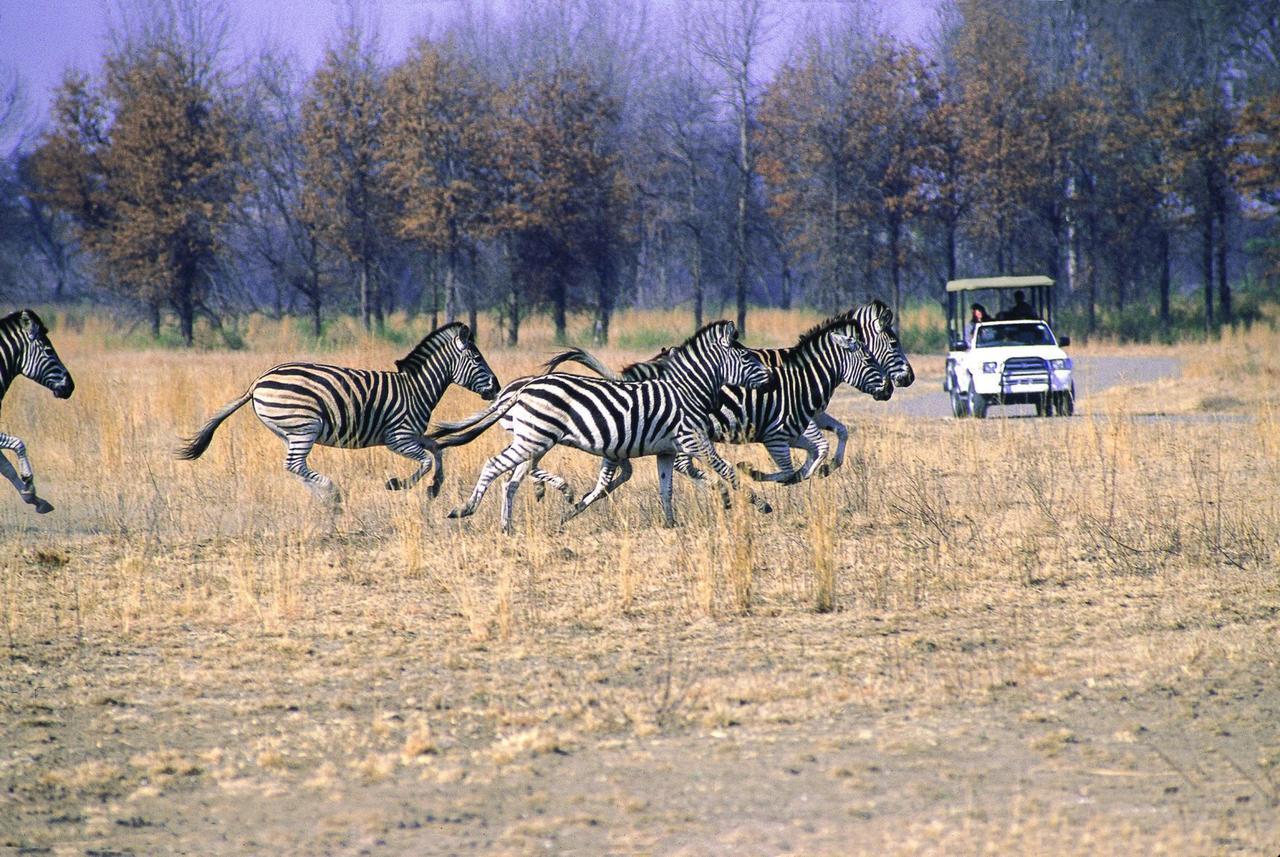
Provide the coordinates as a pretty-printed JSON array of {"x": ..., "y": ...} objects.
[
  {"x": 617, "y": 420},
  {"x": 874, "y": 322},
  {"x": 310, "y": 403},
  {"x": 781, "y": 415},
  {"x": 25, "y": 349}
]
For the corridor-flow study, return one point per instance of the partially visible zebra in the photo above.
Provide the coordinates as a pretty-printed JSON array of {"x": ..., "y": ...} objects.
[
  {"x": 25, "y": 349},
  {"x": 310, "y": 403},
  {"x": 617, "y": 420},
  {"x": 780, "y": 416}
]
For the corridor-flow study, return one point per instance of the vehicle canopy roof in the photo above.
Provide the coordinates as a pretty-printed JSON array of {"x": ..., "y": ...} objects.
[{"x": 998, "y": 283}]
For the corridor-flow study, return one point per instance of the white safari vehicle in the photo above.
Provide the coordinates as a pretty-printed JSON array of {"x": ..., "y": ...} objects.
[{"x": 1015, "y": 357}]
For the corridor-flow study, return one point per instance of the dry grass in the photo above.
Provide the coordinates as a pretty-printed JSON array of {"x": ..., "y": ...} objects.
[{"x": 931, "y": 651}]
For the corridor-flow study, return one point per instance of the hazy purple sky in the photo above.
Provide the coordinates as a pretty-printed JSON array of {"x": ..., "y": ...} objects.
[{"x": 41, "y": 38}]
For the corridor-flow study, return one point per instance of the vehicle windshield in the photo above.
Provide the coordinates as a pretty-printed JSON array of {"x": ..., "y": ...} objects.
[{"x": 1003, "y": 335}]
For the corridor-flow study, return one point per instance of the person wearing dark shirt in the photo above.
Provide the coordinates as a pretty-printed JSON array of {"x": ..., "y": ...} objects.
[{"x": 1021, "y": 310}]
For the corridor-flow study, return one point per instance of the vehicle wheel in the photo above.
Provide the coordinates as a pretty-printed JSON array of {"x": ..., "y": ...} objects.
[
  {"x": 977, "y": 403},
  {"x": 1044, "y": 404},
  {"x": 1066, "y": 402},
  {"x": 959, "y": 407}
]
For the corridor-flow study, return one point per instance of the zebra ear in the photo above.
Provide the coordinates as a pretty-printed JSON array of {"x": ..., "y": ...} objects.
[
  {"x": 30, "y": 323},
  {"x": 849, "y": 343}
]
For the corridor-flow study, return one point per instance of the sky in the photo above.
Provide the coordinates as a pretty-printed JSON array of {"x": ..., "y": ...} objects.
[{"x": 40, "y": 39}]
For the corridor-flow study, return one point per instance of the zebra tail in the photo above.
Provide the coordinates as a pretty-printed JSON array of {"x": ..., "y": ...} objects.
[
  {"x": 583, "y": 358},
  {"x": 193, "y": 447},
  {"x": 448, "y": 434}
]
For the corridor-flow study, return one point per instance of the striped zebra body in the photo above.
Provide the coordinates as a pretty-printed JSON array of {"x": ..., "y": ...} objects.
[
  {"x": 25, "y": 349},
  {"x": 781, "y": 415},
  {"x": 617, "y": 420},
  {"x": 308, "y": 403}
]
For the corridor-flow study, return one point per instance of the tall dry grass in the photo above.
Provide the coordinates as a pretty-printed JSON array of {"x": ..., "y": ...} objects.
[{"x": 923, "y": 512}]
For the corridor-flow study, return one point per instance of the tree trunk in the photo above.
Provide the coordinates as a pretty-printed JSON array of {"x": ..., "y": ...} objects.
[
  {"x": 1164, "y": 279},
  {"x": 450, "y": 287},
  {"x": 1224, "y": 286},
  {"x": 513, "y": 314},
  {"x": 697, "y": 282},
  {"x": 895, "y": 269},
  {"x": 1206, "y": 267},
  {"x": 365, "y": 316},
  {"x": 559, "y": 306}
]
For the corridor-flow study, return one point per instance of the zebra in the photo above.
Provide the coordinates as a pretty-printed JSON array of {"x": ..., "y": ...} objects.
[
  {"x": 617, "y": 420},
  {"x": 309, "y": 403},
  {"x": 780, "y": 415},
  {"x": 25, "y": 349},
  {"x": 874, "y": 322}
]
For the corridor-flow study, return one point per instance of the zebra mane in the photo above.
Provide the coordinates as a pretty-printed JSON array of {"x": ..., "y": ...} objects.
[
  {"x": 431, "y": 342},
  {"x": 822, "y": 328}
]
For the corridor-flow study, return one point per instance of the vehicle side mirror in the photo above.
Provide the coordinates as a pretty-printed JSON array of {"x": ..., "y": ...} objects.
[
  {"x": 1064, "y": 341},
  {"x": 959, "y": 345}
]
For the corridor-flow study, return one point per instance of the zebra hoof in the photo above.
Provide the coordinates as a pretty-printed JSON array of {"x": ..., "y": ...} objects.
[
  {"x": 539, "y": 491},
  {"x": 825, "y": 470},
  {"x": 765, "y": 508},
  {"x": 43, "y": 507},
  {"x": 394, "y": 484},
  {"x": 433, "y": 490},
  {"x": 458, "y": 513}
]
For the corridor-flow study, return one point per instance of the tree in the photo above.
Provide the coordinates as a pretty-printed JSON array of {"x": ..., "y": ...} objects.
[
  {"x": 562, "y": 199},
  {"x": 440, "y": 157},
  {"x": 345, "y": 197},
  {"x": 729, "y": 37},
  {"x": 146, "y": 163}
]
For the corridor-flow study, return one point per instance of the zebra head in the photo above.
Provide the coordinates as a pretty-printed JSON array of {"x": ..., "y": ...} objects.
[
  {"x": 471, "y": 370},
  {"x": 874, "y": 322},
  {"x": 739, "y": 365},
  {"x": 36, "y": 357},
  {"x": 859, "y": 368}
]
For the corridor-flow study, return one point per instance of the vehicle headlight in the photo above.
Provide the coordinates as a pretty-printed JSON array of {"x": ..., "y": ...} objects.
[
  {"x": 1060, "y": 365},
  {"x": 990, "y": 368}
]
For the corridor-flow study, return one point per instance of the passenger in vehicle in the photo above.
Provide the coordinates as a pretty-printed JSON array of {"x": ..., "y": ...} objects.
[
  {"x": 977, "y": 315},
  {"x": 1020, "y": 311}
]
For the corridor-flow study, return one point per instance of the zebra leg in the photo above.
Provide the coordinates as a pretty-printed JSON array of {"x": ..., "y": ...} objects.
[
  {"x": 701, "y": 446},
  {"x": 410, "y": 447},
  {"x": 509, "y": 494},
  {"x": 513, "y": 455},
  {"x": 295, "y": 461},
  {"x": 684, "y": 464},
  {"x": 542, "y": 478},
  {"x": 780, "y": 451},
  {"x": 613, "y": 472},
  {"x": 813, "y": 443},
  {"x": 667, "y": 463},
  {"x": 826, "y": 422},
  {"x": 26, "y": 487}
]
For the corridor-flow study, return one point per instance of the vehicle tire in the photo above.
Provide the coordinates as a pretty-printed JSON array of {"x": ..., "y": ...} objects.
[
  {"x": 1066, "y": 402},
  {"x": 959, "y": 407},
  {"x": 1044, "y": 405},
  {"x": 977, "y": 403}
]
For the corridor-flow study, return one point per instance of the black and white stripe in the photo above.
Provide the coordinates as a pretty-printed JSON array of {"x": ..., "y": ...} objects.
[
  {"x": 310, "y": 403},
  {"x": 874, "y": 324},
  {"x": 617, "y": 420},
  {"x": 25, "y": 349},
  {"x": 780, "y": 415}
]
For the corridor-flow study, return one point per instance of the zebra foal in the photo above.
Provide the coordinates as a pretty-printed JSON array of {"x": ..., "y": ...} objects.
[
  {"x": 309, "y": 403},
  {"x": 25, "y": 349},
  {"x": 616, "y": 420}
]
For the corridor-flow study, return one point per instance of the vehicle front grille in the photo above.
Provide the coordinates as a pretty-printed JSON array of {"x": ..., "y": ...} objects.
[{"x": 1022, "y": 373}]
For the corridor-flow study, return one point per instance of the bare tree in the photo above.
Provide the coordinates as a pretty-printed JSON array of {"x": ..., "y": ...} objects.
[{"x": 729, "y": 36}]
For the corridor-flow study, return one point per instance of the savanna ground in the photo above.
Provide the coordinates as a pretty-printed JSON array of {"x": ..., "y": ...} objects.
[{"x": 1010, "y": 636}]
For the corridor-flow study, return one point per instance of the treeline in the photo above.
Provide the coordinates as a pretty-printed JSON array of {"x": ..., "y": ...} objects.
[{"x": 585, "y": 155}]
